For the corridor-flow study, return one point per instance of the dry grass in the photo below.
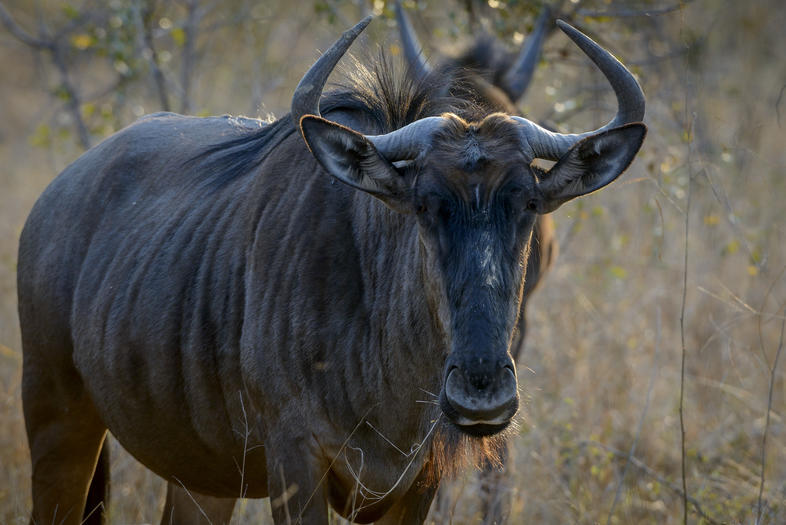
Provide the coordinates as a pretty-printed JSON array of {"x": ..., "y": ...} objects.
[{"x": 606, "y": 325}]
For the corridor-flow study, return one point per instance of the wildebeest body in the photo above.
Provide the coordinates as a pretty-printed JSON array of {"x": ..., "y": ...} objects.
[
  {"x": 182, "y": 291},
  {"x": 247, "y": 325}
]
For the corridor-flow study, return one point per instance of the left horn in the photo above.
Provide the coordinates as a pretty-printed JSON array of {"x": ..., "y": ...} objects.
[
  {"x": 408, "y": 142},
  {"x": 305, "y": 101},
  {"x": 402, "y": 144}
]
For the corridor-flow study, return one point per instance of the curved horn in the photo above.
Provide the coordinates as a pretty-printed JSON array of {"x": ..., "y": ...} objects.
[
  {"x": 401, "y": 144},
  {"x": 518, "y": 77},
  {"x": 630, "y": 101},
  {"x": 305, "y": 100},
  {"x": 412, "y": 48},
  {"x": 408, "y": 142}
]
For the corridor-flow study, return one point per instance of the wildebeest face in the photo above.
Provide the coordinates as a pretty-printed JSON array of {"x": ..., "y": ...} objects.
[{"x": 474, "y": 198}]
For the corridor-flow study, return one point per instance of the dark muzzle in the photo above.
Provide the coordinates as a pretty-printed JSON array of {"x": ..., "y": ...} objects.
[{"x": 480, "y": 402}]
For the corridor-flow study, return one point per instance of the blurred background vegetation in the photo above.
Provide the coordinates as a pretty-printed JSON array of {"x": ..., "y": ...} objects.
[{"x": 600, "y": 440}]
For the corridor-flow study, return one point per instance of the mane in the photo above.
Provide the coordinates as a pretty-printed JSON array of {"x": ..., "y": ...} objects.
[
  {"x": 380, "y": 96},
  {"x": 391, "y": 96}
]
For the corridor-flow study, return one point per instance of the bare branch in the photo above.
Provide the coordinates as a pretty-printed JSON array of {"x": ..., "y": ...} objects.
[
  {"x": 769, "y": 395},
  {"x": 631, "y": 13},
  {"x": 682, "y": 331},
  {"x": 73, "y": 101},
  {"x": 20, "y": 34},
  {"x": 190, "y": 26},
  {"x": 145, "y": 10},
  {"x": 648, "y": 397}
]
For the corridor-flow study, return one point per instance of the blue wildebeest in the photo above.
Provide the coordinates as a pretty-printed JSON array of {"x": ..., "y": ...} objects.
[
  {"x": 246, "y": 326},
  {"x": 495, "y": 79}
]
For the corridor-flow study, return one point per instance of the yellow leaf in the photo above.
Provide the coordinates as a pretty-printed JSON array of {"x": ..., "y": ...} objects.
[
  {"x": 753, "y": 271},
  {"x": 711, "y": 220},
  {"x": 81, "y": 41},
  {"x": 42, "y": 136},
  {"x": 7, "y": 352},
  {"x": 179, "y": 36},
  {"x": 618, "y": 271},
  {"x": 395, "y": 50}
]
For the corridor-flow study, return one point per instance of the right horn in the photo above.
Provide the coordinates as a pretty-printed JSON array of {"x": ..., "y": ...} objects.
[
  {"x": 412, "y": 48},
  {"x": 630, "y": 101}
]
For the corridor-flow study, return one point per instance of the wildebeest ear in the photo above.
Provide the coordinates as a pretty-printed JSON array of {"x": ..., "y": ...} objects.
[
  {"x": 591, "y": 164},
  {"x": 353, "y": 159}
]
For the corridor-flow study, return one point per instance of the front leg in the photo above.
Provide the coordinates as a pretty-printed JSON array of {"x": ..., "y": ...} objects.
[
  {"x": 187, "y": 507},
  {"x": 297, "y": 484},
  {"x": 413, "y": 507}
]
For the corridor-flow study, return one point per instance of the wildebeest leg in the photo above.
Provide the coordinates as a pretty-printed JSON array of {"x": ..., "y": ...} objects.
[
  {"x": 98, "y": 493},
  {"x": 65, "y": 436},
  {"x": 413, "y": 507},
  {"x": 187, "y": 507},
  {"x": 297, "y": 488}
]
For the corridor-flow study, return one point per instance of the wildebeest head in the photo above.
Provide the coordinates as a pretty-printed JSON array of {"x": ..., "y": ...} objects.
[{"x": 474, "y": 193}]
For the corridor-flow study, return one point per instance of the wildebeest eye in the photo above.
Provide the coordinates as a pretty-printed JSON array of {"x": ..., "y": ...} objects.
[
  {"x": 437, "y": 206},
  {"x": 532, "y": 205},
  {"x": 445, "y": 210}
]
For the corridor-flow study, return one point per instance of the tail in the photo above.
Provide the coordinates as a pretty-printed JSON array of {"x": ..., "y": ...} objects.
[{"x": 98, "y": 494}]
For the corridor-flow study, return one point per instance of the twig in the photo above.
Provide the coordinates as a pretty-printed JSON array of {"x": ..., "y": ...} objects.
[
  {"x": 647, "y": 398},
  {"x": 189, "y": 46},
  {"x": 188, "y": 493},
  {"x": 721, "y": 195},
  {"x": 145, "y": 15},
  {"x": 246, "y": 433},
  {"x": 74, "y": 101},
  {"x": 778, "y": 105},
  {"x": 377, "y": 496},
  {"x": 682, "y": 339},
  {"x": 767, "y": 423},
  {"x": 100, "y": 506},
  {"x": 20, "y": 34},
  {"x": 769, "y": 395},
  {"x": 340, "y": 450},
  {"x": 39, "y": 43},
  {"x": 389, "y": 442},
  {"x": 630, "y": 13}
]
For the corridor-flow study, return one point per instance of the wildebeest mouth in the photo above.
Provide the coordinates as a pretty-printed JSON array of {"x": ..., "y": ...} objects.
[
  {"x": 480, "y": 412},
  {"x": 475, "y": 428}
]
